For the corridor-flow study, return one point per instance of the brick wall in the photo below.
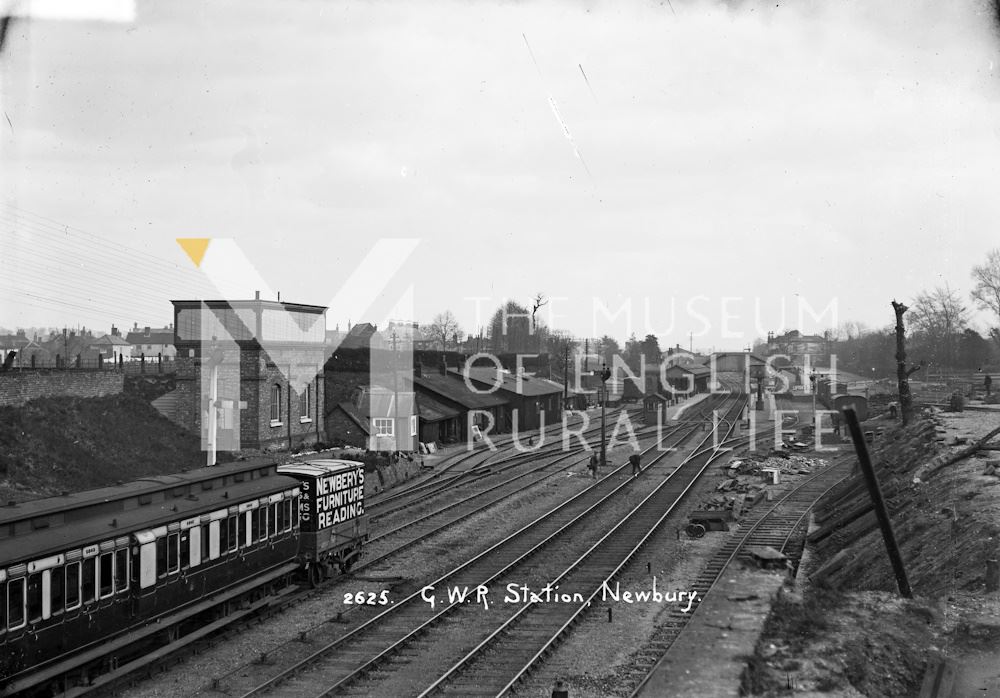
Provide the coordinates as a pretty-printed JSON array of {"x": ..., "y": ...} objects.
[
  {"x": 252, "y": 383},
  {"x": 17, "y": 387}
]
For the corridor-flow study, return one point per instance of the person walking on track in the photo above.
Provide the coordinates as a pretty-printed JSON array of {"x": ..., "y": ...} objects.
[{"x": 634, "y": 460}]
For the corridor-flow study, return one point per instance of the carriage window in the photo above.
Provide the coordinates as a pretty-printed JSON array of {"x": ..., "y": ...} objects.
[
  {"x": 3, "y": 608},
  {"x": 295, "y": 511},
  {"x": 234, "y": 539},
  {"x": 279, "y": 517},
  {"x": 186, "y": 550},
  {"x": 254, "y": 524},
  {"x": 161, "y": 557},
  {"x": 224, "y": 536},
  {"x": 15, "y": 603},
  {"x": 204, "y": 542},
  {"x": 107, "y": 575},
  {"x": 72, "y": 585},
  {"x": 35, "y": 597},
  {"x": 56, "y": 590},
  {"x": 272, "y": 519},
  {"x": 121, "y": 569},
  {"x": 288, "y": 514},
  {"x": 173, "y": 563},
  {"x": 89, "y": 581}
]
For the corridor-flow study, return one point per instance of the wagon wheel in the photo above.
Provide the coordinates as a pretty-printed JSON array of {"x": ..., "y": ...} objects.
[
  {"x": 315, "y": 575},
  {"x": 695, "y": 530}
]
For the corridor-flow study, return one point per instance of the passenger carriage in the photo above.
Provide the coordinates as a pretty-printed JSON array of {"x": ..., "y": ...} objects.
[{"x": 90, "y": 581}]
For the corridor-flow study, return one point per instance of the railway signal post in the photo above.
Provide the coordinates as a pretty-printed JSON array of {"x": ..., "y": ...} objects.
[{"x": 605, "y": 374}]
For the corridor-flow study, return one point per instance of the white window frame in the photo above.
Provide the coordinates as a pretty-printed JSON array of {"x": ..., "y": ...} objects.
[
  {"x": 413, "y": 425},
  {"x": 276, "y": 405},
  {"x": 379, "y": 424},
  {"x": 305, "y": 404}
]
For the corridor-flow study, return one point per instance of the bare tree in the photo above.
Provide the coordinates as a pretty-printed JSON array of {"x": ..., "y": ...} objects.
[
  {"x": 443, "y": 327},
  {"x": 941, "y": 317},
  {"x": 986, "y": 292},
  {"x": 537, "y": 302}
]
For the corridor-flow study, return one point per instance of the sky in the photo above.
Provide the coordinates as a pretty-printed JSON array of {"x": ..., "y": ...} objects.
[{"x": 702, "y": 171}]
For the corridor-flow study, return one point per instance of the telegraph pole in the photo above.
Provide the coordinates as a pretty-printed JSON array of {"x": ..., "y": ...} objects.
[{"x": 395, "y": 395}]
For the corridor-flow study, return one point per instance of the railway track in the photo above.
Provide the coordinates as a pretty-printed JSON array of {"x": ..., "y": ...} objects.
[
  {"x": 780, "y": 526},
  {"x": 442, "y": 478},
  {"x": 430, "y": 524},
  {"x": 410, "y": 625},
  {"x": 443, "y": 481}
]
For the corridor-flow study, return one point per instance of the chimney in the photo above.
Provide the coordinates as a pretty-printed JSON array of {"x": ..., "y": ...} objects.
[
  {"x": 147, "y": 330},
  {"x": 115, "y": 332},
  {"x": 279, "y": 296},
  {"x": 256, "y": 295},
  {"x": 135, "y": 327}
]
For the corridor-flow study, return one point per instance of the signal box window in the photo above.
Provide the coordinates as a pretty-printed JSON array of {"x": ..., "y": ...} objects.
[
  {"x": 383, "y": 426},
  {"x": 305, "y": 400},
  {"x": 275, "y": 403}
]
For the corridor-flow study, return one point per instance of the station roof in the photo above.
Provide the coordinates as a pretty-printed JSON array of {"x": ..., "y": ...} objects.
[
  {"x": 697, "y": 371},
  {"x": 430, "y": 410},
  {"x": 529, "y": 385},
  {"x": 453, "y": 388}
]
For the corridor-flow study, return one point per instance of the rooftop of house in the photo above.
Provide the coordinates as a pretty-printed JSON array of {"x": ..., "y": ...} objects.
[{"x": 150, "y": 335}]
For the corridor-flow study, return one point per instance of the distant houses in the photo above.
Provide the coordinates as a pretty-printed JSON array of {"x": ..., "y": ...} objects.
[
  {"x": 152, "y": 342},
  {"x": 113, "y": 347}
]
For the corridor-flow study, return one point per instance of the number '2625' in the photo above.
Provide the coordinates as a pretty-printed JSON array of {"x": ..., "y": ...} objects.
[{"x": 370, "y": 598}]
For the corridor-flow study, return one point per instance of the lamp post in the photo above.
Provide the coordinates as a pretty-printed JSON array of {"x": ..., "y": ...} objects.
[{"x": 605, "y": 374}]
